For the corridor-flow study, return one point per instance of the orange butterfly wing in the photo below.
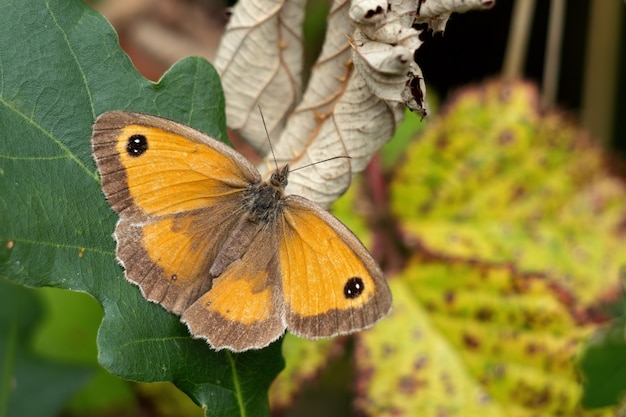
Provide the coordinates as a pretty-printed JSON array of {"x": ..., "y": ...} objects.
[
  {"x": 330, "y": 283},
  {"x": 151, "y": 166},
  {"x": 244, "y": 308},
  {"x": 169, "y": 183}
]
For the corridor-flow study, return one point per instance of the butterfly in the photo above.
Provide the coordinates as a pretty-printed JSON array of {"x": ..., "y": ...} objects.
[{"x": 201, "y": 233}]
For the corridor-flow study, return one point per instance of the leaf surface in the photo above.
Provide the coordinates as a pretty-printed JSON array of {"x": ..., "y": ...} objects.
[{"x": 603, "y": 367}]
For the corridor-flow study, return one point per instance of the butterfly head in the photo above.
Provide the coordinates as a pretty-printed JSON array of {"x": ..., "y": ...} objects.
[{"x": 279, "y": 178}]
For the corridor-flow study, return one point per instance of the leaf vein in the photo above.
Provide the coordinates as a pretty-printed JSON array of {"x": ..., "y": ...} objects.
[{"x": 50, "y": 136}]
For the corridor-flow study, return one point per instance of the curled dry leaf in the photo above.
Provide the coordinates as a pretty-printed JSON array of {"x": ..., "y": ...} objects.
[
  {"x": 358, "y": 88},
  {"x": 338, "y": 116},
  {"x": 357, "y": 115},
  {"x": 437, "y": 13},
  {"x": 385, "y": 42},
  {"x": 383, "y": 52},
  {"x": 308, "y": 136},
  {"x": 260, "y": 62},
  {"x": 389, "y": 70}
]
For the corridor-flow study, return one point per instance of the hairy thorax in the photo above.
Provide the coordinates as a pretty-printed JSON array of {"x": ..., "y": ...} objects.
[
  {"x": 264, "y": 203},
  {"x": 265, "y": 199}
]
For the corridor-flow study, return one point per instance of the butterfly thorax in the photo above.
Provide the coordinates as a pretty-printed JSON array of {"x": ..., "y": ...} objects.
[{"x": 266, "y": 198}]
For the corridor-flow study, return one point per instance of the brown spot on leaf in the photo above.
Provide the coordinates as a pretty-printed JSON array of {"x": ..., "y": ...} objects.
[
  {"x": 530, "y": 396},
  {"x": 388, "y": 350},
  {"x": 519, "y": 192},
  {"x": 499, "y": 371},
  {"x": 484, "y": 314},
  {"x": 541, "y": 398},
  {"x": 471, "y": 342},
  {"x": 430, "y": 306},
  {"x": 483, "y": 398},
  {"x": 409, "y": 384},
  {"x": 417, "y": 334},
  {"x": 447, "y": 383},
  {"x": 506, "y": 137},
  {"x": 420, "y": 363},
  {"x": 449, "y": 297},
  {"x": 442, "y": 142},
  {"x": 533, "y": 348}
]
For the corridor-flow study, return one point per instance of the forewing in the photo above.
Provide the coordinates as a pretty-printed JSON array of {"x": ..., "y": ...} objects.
[{"x": 152, "y": 166}]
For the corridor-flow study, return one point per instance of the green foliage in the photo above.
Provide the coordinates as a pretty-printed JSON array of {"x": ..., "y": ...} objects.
[
  {"x": 516, "y": 219},
  {"x": 604, "y": 367},
  {"x": 602, "y": 364},
  {"x": 473, "y": 341},
  {"x": 30, "y": 384}
]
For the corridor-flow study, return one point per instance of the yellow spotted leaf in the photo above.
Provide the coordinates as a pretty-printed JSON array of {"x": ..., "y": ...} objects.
[
  {"x": 469, "y": 340},
  {"x": 493, "y": 180}
]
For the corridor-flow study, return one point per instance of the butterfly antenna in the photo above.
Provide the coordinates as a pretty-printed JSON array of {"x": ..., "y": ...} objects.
[
  {"x": 268, "y": 137},
  {"x": 322, "y": 161}
]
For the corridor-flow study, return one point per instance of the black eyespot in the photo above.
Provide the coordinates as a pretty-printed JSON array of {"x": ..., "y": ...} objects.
[
  {"x": 137, "y": 145},
  {"x": 353, "y": 288}
]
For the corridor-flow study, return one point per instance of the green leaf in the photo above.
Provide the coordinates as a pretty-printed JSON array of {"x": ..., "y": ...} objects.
[
  {"x": 68, "y": 333},
  {"x": 410, "y": 369},
  {"x": 30, "y": 384},
  {"x": 603, "y": 366},
  {"x": 64, "y": 68}
]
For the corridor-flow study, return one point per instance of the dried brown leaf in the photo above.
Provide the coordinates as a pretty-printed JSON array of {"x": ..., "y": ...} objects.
[{"x": 260, "y": 62}]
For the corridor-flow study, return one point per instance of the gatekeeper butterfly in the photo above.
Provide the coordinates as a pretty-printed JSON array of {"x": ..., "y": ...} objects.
[{"x": 203, "y": 235}]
